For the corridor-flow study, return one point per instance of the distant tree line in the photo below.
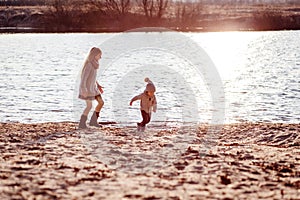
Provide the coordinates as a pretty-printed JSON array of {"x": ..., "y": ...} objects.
[
  {"x": 23, "y": 2},
  {"x": 119, "y": 15},
  {"x": 123, "y": 13},
  {"x": 125, "y": 2}
]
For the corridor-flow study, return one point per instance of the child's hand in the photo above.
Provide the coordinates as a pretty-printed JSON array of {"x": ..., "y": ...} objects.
[
  {"x": 100, "y": 88},
  {"x": 154, "y": 108}
]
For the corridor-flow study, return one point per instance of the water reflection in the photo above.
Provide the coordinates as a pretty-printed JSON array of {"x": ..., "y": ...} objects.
[{"x": 260, "y": 73}]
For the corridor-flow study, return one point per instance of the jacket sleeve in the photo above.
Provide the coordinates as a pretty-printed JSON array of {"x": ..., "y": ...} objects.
[
  {"x": 136, "y": 98},
  {"x": 84, "y": 76},
  {"x": 154, "y": 104}
]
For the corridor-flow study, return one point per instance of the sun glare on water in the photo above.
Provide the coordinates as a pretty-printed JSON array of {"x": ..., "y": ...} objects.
[{"x": 226, "y": 49}]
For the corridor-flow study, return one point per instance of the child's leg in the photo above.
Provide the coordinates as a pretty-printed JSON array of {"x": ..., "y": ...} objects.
[
  {"x": 95, "y": 115},
  {"x": 88, "y": 107},
  {"x": 146, "y": 118},
  {"x": 100, "y": 103}
]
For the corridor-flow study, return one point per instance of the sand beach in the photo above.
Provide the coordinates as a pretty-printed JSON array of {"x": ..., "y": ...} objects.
[{"x": 56, "y": 161}]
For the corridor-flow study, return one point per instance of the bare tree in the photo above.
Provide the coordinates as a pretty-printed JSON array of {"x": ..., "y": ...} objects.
[
  {"x": 120, "y": 7},
  {"x": 98, "y": 6},
  {"x": 148, "y": 7},
  {"x": 161, "y": 7},
  {"x": 66, "y": 12},
  {"x": 188, "y": 12},
  {"x": 153, "y": 8}
]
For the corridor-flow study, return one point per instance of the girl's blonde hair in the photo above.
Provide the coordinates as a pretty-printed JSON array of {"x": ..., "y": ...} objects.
[{"x": 93, "y": 52}]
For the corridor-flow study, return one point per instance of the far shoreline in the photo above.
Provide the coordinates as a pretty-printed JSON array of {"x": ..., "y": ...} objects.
[
  {"x": 208, "y": 17},
  {"x": 28, "y": 30}
]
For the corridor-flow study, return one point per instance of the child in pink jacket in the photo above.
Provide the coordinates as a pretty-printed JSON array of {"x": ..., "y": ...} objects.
[{"x": 147, "y": 103}]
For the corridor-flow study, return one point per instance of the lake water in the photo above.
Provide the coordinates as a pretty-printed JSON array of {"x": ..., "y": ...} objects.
[{"x": 259, "y": 72}]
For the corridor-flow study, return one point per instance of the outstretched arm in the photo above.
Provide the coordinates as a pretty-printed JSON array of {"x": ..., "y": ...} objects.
[{"x": 134, "y": 99}]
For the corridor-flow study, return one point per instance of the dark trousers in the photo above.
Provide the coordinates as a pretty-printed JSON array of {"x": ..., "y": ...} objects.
[{"x": 146, "y": 118}]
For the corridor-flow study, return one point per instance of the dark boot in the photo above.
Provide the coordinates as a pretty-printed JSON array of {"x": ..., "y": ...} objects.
[
  {"x": 82, "y": 123},
  {"x": 94, "y": 118},
  {"x": 140, "y": 127}
]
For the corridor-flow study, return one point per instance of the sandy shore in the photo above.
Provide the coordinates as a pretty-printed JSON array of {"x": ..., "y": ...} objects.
[{"x": 241, "y": 161}]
